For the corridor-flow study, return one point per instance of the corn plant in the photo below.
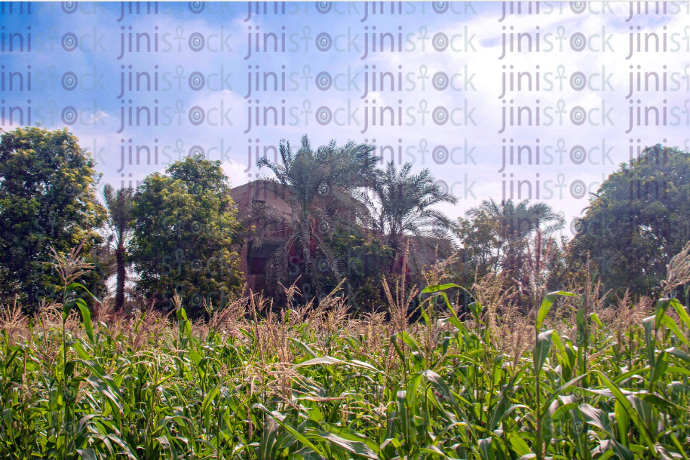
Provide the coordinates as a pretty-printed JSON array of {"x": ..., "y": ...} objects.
[{"x": 314, "y": 383}]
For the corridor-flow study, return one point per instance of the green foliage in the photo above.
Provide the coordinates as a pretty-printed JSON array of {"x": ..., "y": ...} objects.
[
  {"x": 361, "y": 260},
  {"x": 327, "y": 194},
  {"x": 324, "y": 191},
  {"x": 47, "y": 198},
  {"x": 404, "y": 205},
  {"x": 439, "y": 389},
  {"x": 515, "y": 240},
  {"x": 495, "y": 235},
  {"x": 185, "y": 236},
  {"x": 637, "y": 221}
]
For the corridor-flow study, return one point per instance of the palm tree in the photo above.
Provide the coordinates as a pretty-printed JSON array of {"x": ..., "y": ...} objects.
[
  {"x": 119, "y": 206},
  {"x": 324, "y": 190},
  {"x": 404, "y": 205},
  {"x": 515, "y": 222}
]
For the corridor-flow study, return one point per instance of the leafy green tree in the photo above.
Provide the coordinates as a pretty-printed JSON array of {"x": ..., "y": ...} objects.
[
  {"x": 47, "y": 198},
  {"x": 324, "y": 190},
  {"x": 119, "y": 205},
  {"x": 495, "y": 235},
  {"x": 404, "y": 205},
  {"x": 186, "y": 235},
  {"x": 361, "y": 259},
  {"x": 637, "y": 221},
  {"x": 481, "y": 245}
]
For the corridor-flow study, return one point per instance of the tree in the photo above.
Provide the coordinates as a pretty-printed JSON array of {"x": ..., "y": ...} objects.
[
  {"x": 480, "y": 254},
  {"x": 403, "y": 205},
  {"x": 637, "y": 221},
  {"x": 361, "y": 259},
  {"x": 119, "y": 206},
  {"x": 186, "y": 235},
  {"x": 324, "y": 190},
  {"x": 495, "y": 235},
  {"x": 515, "y": 240},
  {"x": 47, "y": 198}
]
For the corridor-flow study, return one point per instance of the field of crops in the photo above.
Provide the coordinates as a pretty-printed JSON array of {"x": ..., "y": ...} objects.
[{"x": 566, "y": 380}]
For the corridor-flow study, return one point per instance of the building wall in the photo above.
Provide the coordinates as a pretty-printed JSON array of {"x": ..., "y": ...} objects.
[{"x": 273, "y": 195}]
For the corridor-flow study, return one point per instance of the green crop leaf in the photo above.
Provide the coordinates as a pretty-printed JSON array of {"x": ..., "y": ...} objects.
[
  {"x": 86, "y": 318},
  {"x": 501, "y": 408},
  {"x": 181, "y": 314},
  {"x": 546, "y": 305},
  {"x": 622, "y": 422},
  {"x": 439, "y": 385},
  {"x": 628, "y": 407},
  {"x": 659, "y": 401},
  {"x": 326, "y": 360},
  {"x": 659, "y": 368},
  {"x": 302, "y": 346},
  {"x": 661, "y": 308},
  {"x": 671, "y": 324},
  {"x": 648, "y": 324},
  {"x": 476, "y": 308},
  {"x": 355, "y": 447},
  {"x": 519, "y": 446},
  {"x": 678, "y": 354},
  {"x": 485, "y": 449},
  {"x": 101, "y": 387},
  {"x": 560, "y": 389},
  {"x": 87, "y": 454},
  {"x": 600, "y": 419},
  {"x": 279, "y": 418},
  {"x": 595, "y": 317},
  {"x": 439, "y": 287},
  {"x": 330, "y": 361},
  {"x": 351, "y": 435},
  {"x": 541, "y": 350},
  {"x": 73, "y": 287},
  {"x": 682, "y": 312}
]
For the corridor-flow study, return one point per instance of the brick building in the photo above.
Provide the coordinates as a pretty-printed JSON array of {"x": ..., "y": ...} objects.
[{"x": 255, "y": 259}]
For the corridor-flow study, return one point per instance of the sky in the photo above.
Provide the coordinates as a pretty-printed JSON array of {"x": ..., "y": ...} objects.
[{"x": 572, "y": 90}]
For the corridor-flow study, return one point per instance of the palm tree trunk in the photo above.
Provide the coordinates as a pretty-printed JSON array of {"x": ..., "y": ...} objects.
[
  {"x": 121, "y": 274},
  {"x": 395, "y": 244}
]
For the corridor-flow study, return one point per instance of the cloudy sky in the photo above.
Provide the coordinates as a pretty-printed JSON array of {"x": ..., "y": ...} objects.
[{"x": 449, "y": 87}]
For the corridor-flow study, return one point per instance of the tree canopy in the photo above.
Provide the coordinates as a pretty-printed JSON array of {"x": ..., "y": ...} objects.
[
  {"x": 185, "y": 236},
  {"x": 637, "y": 221},
  {"x": 495, "y": 235},
  {"x": 345, "y": 219},
  {"x": 324, "y": 189},
  {"x": 47, "y": 198},
  {"x": 405, "y": 204}
]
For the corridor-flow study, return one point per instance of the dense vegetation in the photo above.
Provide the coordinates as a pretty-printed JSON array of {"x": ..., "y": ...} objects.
[
  {"x": 47, "y": 198},
  {"x": 185, "y": 236},
  {"x": 179, "y": 231},
  {"x": 568, "y": 380},
  {"x": 520, "y": 345},
  {"x": 639, "y": 219},
  {"x": 347, "y": 220}
]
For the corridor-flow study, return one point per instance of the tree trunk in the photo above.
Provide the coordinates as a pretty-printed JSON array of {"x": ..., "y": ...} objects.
[
  {"x": 121, "y": 275},
  {"x": 395, "y": 244}
]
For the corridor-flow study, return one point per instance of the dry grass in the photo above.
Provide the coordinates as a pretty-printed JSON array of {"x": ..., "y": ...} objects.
[{"x": 678, "y": 273}]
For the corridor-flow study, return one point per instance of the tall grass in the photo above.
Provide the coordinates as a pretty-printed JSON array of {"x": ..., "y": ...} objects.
[{"x": 569, "y": 380}]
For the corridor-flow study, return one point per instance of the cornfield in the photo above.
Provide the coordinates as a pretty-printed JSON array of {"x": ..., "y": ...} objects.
[{"x": 570, "y": 380}]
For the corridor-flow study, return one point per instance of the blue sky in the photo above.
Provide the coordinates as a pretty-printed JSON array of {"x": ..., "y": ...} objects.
[{"x": 446, "y": 68}]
